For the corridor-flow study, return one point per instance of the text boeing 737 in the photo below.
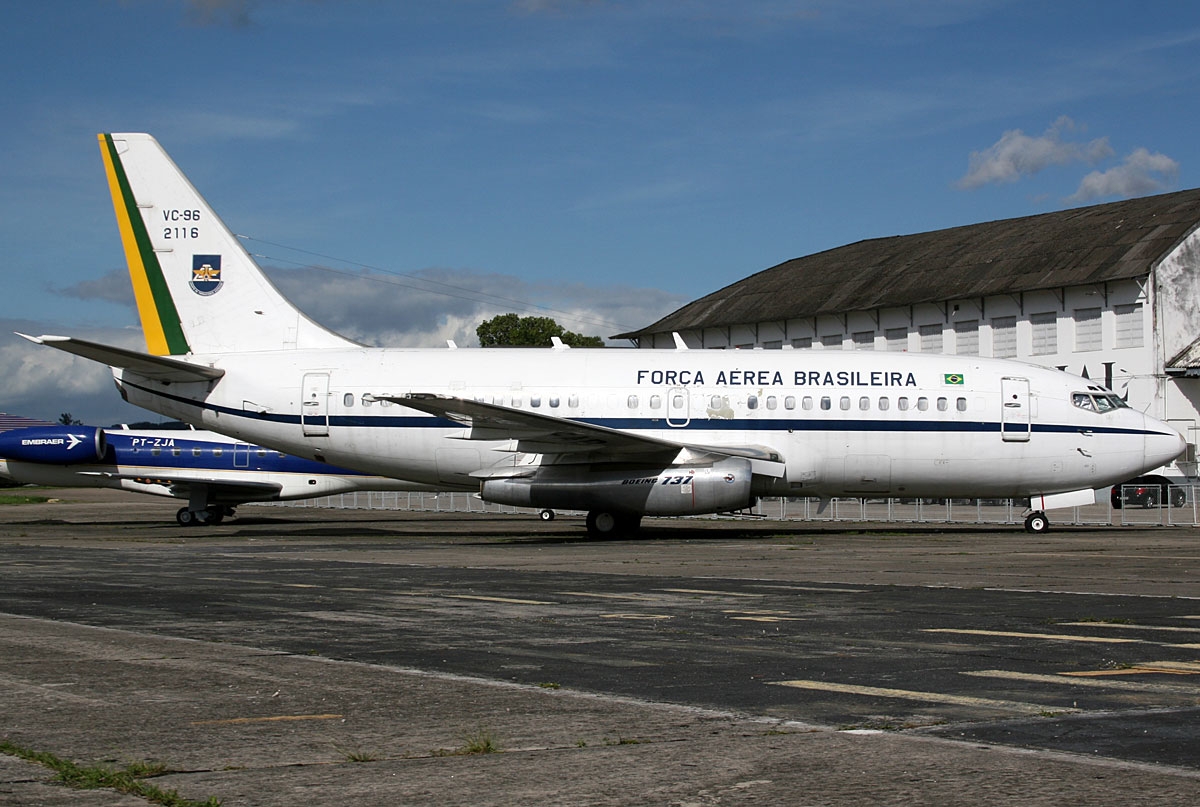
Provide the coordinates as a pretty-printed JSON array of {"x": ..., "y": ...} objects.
[{"x": 618, "y": 433}]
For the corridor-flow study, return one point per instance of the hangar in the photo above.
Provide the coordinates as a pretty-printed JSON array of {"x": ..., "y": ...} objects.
[{"x": 1110, "y": 292}]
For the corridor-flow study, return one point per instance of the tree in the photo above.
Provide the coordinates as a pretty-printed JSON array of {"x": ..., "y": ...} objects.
[
  {"x": 512, "y": 330},
  {"x": 65, "y": 419}
]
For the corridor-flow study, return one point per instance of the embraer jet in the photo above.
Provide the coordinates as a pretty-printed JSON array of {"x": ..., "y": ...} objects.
[
  {"x": 618, "y": 433},
  {"x": 212, "y": 472}
]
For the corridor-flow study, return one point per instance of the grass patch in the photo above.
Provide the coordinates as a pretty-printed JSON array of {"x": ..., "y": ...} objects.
[
  {"x": 94, "y": 777},
  {"x": 22, "y": 498},
  {"x": 480, "y": 741}
]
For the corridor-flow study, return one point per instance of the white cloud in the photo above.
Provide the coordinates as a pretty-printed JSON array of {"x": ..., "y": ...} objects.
[
  {"x": 1016, "y": 154},
  {"x": 1141, "y": 174}
]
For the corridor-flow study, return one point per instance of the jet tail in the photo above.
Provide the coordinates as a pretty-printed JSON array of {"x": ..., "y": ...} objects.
[{"x": 197, "y": 289}]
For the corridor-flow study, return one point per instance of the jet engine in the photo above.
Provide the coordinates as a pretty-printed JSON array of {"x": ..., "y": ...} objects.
[
  {"x": 54, "y": 445},
  {"x": 662, "y": 491}
]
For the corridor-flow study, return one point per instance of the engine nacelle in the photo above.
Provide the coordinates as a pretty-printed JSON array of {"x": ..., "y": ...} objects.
[
  {"x": 670, "y": 491},
  {"x": 54, "y": 445}
]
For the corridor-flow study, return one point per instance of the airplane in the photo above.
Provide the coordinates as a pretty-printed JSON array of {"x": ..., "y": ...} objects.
[
  {"x": 621, "y": 434},
  {"x": 212, "y": 472}
]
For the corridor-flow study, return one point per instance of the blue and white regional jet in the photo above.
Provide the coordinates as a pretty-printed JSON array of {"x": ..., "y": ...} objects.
[
  {"x": 212, "y": 472},
  {"x": 618, "y": 433}
]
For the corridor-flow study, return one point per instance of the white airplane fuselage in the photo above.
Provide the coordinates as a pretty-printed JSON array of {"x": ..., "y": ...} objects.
[{"x": 840, "y": 422}]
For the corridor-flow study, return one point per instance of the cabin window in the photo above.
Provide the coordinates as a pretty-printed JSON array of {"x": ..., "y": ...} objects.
[
  {"x": 656, "y": 402},
  {"x": 864, "y": 403},
  {"x": 554, "y": 402},
  {"x": 772, "y": 402},
  {"x": 175, "y": 452},
  {"x": 826, "y": 402},
  {"x": 844, "y": 403},
  {"x": 884, "y": 403},
  {"x": 516, "y": 400},
  {"x": 961, "y": 403},
  {"x": 195, "y": 452},
  {"x": 923, "y": 404},
  {"x": 218, "y": 452},
  {"x": 348, "y": 400},
  {"x": 535, "y": 401},
  {"x": 573, "y": 401},
  {"x": 789, "y": 402},
  {"x": 943, "y": 405},
  {"x": 366, "y": 400},
  {"x": 632, "y": 402},
  {"x": 154, "y": 452},
  {"x": 262, "y": 452},
  {"x": 715, "y": 403},
  {"x": 902, "y": 404},
  {"x": 752, "y": 402},
  {"x": 385, "y": 402},
  {"x": 677, "y": 401},
  {"x": 808, "y": 402}
]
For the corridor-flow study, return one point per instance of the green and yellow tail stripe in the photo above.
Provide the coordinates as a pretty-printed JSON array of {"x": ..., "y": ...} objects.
[{"x": 160, "y": 318}]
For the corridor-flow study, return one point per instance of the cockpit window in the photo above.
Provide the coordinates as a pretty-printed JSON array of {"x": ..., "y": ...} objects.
[{"x": 1098, "y": 401}]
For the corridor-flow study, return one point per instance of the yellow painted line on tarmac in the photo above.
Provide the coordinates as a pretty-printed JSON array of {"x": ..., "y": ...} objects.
[
  {"x": 1062, "y": 678},
  {"x": 707, "y": 591},
  {"x": 508, "y": 600},
  {"x": 604, "y": 596},
  {"x": 235, "y": 721},
  {"x": 1065, "y": 637},
  {"x": 926, "y": 697},
  {"x": 1131, "y": 626}
]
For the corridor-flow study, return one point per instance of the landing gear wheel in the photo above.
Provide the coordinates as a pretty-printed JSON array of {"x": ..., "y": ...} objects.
[
  {"x": 605, "y": 524},
  {"x": 546, "y": 515},
  {"x": 1037, "y": 523},
  {"x": 215, "y": 515},
  {"x": 185, "y": 517}
]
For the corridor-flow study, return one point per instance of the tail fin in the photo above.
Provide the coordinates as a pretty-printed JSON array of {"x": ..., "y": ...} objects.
[{"x": 197, "y": 289}]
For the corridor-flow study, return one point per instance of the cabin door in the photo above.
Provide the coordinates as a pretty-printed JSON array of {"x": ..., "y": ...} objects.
[
  {"x": 314, "y": 405},
  {"x": 1014, "y": 410}
]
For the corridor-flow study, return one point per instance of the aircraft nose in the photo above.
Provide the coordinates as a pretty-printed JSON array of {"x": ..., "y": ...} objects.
[{"x": 1162, "y": 443}]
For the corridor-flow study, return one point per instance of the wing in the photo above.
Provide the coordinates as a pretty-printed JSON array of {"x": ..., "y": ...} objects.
[
  {"x": 536, "y": 433},
  {"x": 221, "y": 491}
]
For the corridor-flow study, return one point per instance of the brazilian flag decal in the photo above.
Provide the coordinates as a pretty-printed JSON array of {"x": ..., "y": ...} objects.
[{"x": 953, "y": 378}]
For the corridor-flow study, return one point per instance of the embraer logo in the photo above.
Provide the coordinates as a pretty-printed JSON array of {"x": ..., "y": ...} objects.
[
  {"x": 74, "y": 441},
  {"x": 52, "y": 441}
]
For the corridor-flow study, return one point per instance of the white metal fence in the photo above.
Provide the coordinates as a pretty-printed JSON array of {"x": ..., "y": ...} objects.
[{"x": 1178, "y": 505}]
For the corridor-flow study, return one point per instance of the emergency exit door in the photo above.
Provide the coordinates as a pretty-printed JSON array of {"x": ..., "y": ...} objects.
[{"x": 314, "y": 405}]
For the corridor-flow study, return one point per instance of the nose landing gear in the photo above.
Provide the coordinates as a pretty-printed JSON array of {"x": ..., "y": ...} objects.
[{"x": 1036, "y": 522}]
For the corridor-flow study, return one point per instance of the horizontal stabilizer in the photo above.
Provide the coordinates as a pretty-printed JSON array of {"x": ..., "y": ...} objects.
[{"x": 159, "y": 368}]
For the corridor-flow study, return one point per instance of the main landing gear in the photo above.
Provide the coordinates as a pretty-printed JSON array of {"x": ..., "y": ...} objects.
[
  {"x": 606, "y": 524},
  {"x": 209, "y": 515},
  {"x": 1036, "y": 522}
]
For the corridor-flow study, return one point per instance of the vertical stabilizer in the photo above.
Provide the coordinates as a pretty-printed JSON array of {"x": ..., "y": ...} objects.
[{"x": 197, "y": 289}]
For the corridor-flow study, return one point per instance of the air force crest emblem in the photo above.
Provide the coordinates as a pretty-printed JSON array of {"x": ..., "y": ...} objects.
[{"x": 206, "y": 274}]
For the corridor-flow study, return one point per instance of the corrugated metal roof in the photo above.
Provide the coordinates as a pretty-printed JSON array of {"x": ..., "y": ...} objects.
[{"x": 1053, "y": 250}]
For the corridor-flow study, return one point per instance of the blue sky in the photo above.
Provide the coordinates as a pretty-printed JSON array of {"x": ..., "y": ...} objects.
[{"x": 598, "y": 161}]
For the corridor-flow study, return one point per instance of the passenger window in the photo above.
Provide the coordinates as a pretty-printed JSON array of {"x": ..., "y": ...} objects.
[
  {"x": 195, "y": 452},
  {"x": 348, "y": 400},
  {"x": 554, "y": 402},
  {"x": 175, "y": 452},
  {"x": 772, "y": 402},
  {"x": 535, "y": 401},
  {"x": 752, "y": 402},
  {"x": 655, "y": 401},
  {"x": 715, "y": 403},
  {"x": 632, "y": 402},
  {"x": 516, "y": 401},
  {"x": 962, "y": 404},
  {"x": 922, "y": 404},
  {"x": 790, "y": 402},
  {"x": 844, "y": 403},
  {"x": 262, "y": 452},
  {"x": 943, "y": 404},
  {"x": 366, "y": 401},
  {"x": 864, "y": 403},
  {"x": 826, "y": 403},
  {"x": 677, "y": 402},
  {"x": 218, "y": 452},
  {"x": 902, "y": 404},
  {"x": 808, "y": 402},
  {"x": 884, "y": 403},
  {"x": 573, "y": 401}
]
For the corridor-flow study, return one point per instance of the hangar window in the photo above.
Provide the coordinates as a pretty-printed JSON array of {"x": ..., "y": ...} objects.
[
  {"x": 864, "y": 340},
  {"x": 966, "y": 338},
  {"x": 802, "y": 342},
  {"x": 1045, "y": 333},
  {"x": 897, "y": 339},
  {"x": 1004, "y": 337},
  {"x": 1088, "y": 334},
  {"x": 1129, "y": 325},
  {"x": 931, "y": 338},
  {"x": 348, "y": 400}
]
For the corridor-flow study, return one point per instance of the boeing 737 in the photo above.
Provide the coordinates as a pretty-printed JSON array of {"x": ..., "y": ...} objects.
[
  {"x": 213, "y": 473},
  {"x": 618, "y": 433}
]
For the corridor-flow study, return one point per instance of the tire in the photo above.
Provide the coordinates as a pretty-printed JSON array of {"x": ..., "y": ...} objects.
[
  {"x": 185, "y": 517},
  {"x": 606, "y": 524},
  {"x": 1037, "y": 523},
  {"x": 1178, "y": 497},
  {"x": 546, "y": 515}
]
